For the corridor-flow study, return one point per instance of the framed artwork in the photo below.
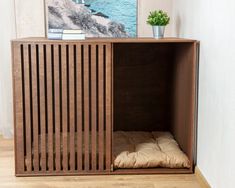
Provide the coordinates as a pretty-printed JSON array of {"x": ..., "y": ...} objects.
[{"x": 96, "y": 18}]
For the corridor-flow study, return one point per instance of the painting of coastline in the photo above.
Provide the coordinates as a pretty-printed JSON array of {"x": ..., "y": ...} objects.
[{"x": 96, "y": 18}]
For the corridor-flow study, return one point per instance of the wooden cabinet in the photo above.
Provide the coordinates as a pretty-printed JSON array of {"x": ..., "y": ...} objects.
[{"x": 69, "y": 97}]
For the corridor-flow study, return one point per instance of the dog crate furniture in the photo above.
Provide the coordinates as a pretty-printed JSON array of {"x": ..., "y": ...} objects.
[{"x": 72, "y": 99}]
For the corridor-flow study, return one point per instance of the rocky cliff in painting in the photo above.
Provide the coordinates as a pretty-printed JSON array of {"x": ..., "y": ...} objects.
[{"x": 66, "y": 14}]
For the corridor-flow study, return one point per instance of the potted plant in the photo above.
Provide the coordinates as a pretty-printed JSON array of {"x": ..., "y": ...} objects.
[{"x": 158, "y": 19}]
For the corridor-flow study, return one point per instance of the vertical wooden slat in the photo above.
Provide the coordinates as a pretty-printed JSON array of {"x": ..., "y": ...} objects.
[
  {"x": 197, "y": 58},
  {"x": 18, "y": 108},
  {"x": 71, "y": 108},
  {"x": 193, "y": 99},
  {"x": 27, "y": 108},
  {"x": 112, "y": 105},
  {"x": 34, "y": 86},
  {"x": 79, "y": 89},
  {"x": 57, "y": 106},
  {"x": 64, "y": 106},
  {"x": 42, "y": 107},
  {"x": 101, "y": 106},
  {"x": 86, "y": 108},
  {"x": 93, "y": 107},
  {"x": 49, "y": 107},
  {"x": 108, "y": 86}
]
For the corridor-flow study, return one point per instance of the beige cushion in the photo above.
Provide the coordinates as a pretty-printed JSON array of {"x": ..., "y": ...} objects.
[{"x": 147, "y": 150}]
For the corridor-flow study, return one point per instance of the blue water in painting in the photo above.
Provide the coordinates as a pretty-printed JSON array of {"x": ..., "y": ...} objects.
[{"x": 122, "y": 11}]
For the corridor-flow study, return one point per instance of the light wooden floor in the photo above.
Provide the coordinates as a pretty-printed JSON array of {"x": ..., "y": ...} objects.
[{"x": 7, "y": 178}]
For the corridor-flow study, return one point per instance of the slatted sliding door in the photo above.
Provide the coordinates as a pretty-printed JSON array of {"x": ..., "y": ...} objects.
[{"x": 62, "y": 108}]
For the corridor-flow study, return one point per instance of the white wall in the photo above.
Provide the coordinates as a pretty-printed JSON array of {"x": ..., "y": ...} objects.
[
  {"x": 212, "y": 22},
  {"x": 7, "y": 26},
  {"x": 30, "y": 18}
]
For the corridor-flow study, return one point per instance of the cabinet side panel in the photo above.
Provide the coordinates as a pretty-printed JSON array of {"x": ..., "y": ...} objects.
[
  {"x": 18, "y": 108},
  {"x": 184, "y": 97}
]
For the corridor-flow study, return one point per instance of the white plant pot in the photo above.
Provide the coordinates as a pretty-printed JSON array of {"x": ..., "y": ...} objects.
[{"x": 158, "y": 31}]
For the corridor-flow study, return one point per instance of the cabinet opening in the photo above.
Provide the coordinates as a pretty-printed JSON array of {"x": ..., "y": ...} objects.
[{"x": 153, "y": 105}]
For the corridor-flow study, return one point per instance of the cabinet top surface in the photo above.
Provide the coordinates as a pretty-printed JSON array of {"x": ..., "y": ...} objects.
[{"x": 106, "y": 40}]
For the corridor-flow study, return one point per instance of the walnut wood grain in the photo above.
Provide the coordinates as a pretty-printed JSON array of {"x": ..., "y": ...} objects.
[{"x": 88, "y": 89}]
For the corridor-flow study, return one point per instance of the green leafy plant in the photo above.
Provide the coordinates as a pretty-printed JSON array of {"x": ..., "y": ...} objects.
[{"x": 158, "y": 18}]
